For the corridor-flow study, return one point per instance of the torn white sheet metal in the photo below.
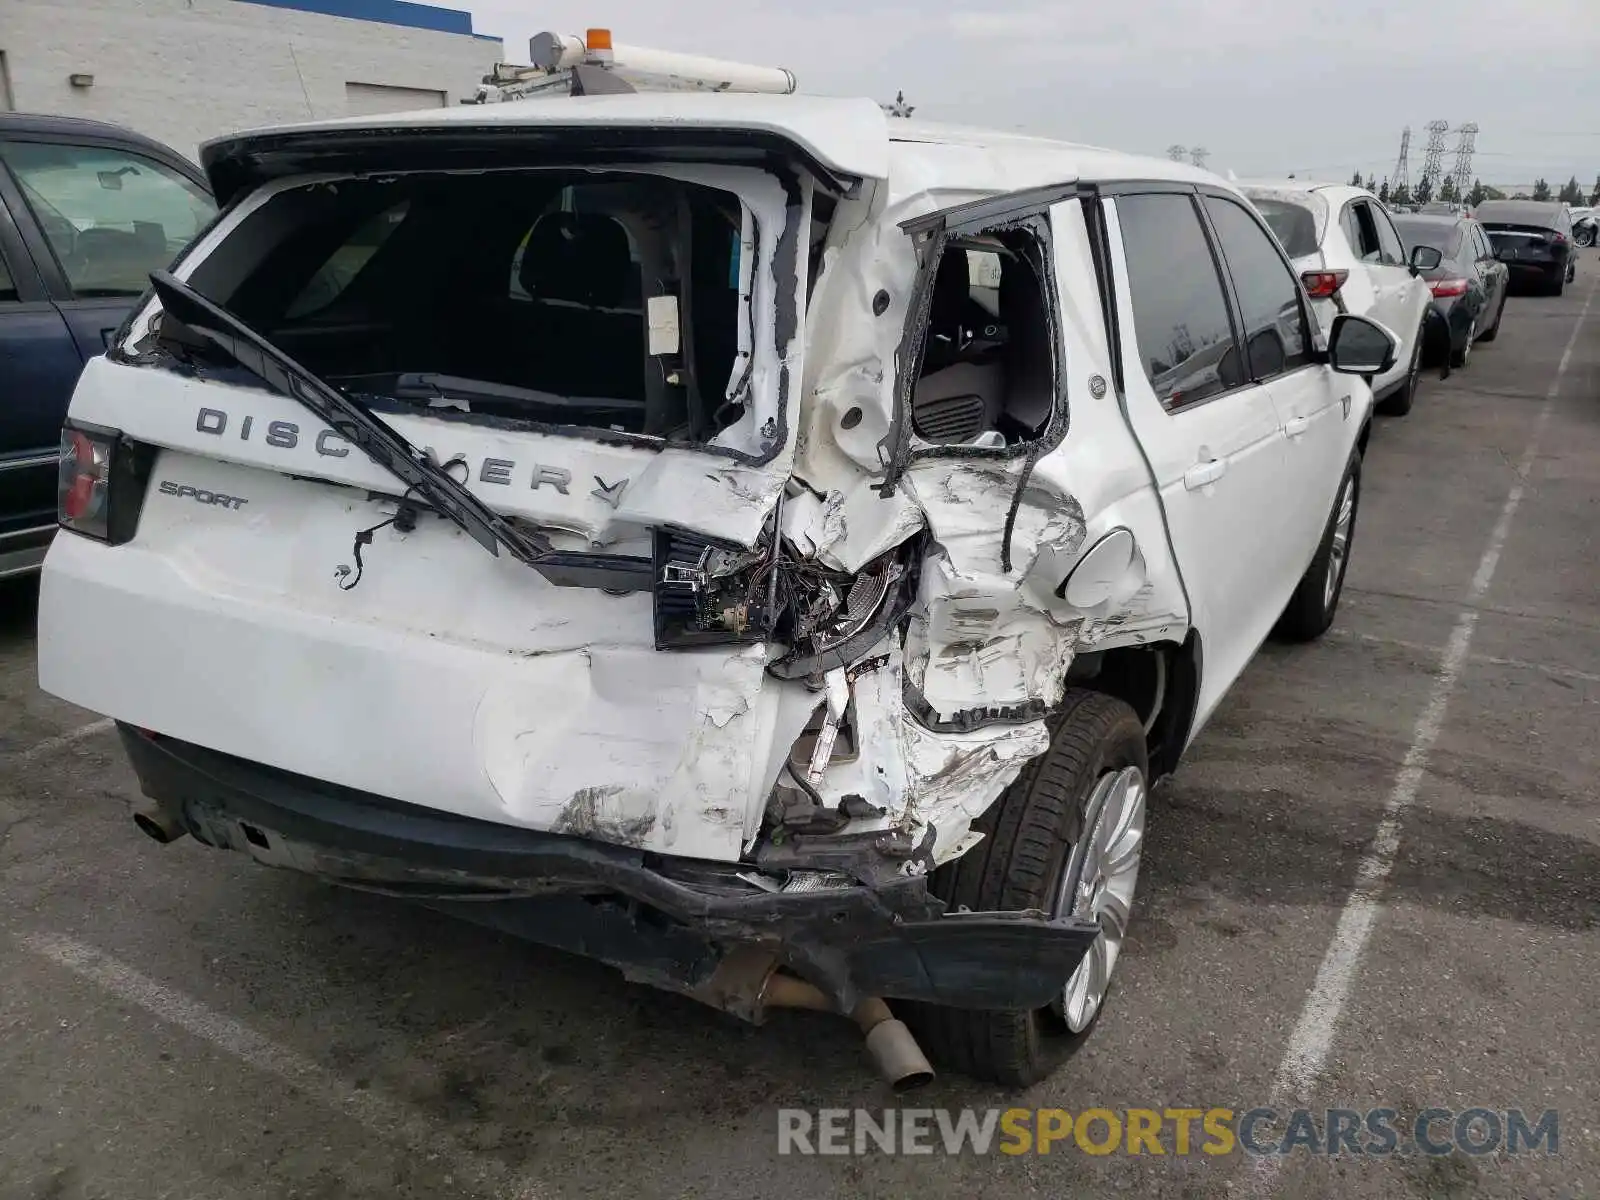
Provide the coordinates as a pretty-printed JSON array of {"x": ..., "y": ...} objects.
[
  {"x": 955, "y": 777},
  {"x": 638, "y": 751},
  {"x": 878, "y": 772}
]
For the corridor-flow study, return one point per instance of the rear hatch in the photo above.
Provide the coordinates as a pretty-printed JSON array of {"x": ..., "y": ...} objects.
[
  {"x": 433, "y": 408},
  {"x": 1533, "y": 244}
]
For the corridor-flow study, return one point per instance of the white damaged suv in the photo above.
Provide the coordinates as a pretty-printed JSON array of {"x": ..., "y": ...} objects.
[{"x": 767, "y": 547}]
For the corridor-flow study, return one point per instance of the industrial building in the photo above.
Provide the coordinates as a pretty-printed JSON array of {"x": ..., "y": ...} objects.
[{"x": 184, "y": 71}]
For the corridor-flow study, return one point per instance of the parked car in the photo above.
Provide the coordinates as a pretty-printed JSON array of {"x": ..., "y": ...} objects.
[
  {"x": 1469, "y": 285},
  {"x": 1534, "y": 239},
  {"x": 87, "y": 211},
  {"x": 724, "y": 583},
  {"x": 1345, "y": 246}
]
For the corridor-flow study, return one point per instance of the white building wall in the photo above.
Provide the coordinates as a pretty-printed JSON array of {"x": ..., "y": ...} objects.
[{"x": 184, "y": 71}]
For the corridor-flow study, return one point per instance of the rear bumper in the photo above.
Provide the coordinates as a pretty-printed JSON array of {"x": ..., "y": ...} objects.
[
  {"x": 1548, "y": 267},
  {"x": 1454, "y": 315},
  {"x": 661, "y": 920}
]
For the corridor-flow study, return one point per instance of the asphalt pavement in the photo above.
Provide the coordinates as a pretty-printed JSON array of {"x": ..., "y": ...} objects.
[{"x": 1375, "y": 883}]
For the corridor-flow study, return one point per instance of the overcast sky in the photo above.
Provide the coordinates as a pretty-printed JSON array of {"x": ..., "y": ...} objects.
[{"x": 1267, "y": 86}]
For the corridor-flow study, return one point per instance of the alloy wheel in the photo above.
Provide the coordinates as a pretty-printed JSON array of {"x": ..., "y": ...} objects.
[
  {"x": 1098, "y": 884},
  {"x": 1339, "y": 548}
]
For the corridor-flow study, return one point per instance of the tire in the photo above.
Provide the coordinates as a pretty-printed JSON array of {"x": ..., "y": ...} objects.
[
  {"x": 1460, "y": 358},
  {"x": 1316, "y": 598},
  {"x": 1398, "y": 402},
  {"x": 1033, "y": 842},
  {"x": 1584, "y": 237},
  {"x": 1556, "y": 286}
]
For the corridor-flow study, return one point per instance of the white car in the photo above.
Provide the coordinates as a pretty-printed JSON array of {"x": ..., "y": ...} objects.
[
  {"x": 1345, "y": 245},
  {"x": 776, "y": 546}
]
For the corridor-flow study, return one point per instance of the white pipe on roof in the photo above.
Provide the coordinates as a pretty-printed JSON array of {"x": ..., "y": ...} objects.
[{"x": 555, "y": 51}]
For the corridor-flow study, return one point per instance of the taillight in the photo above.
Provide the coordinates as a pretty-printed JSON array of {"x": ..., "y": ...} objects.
[
  {"x": 1448, "y": 287},
  {"x": 1322, "y": 285},
  {"x": 101, "y": 482},
  {"x": 1557, "y": 238}
]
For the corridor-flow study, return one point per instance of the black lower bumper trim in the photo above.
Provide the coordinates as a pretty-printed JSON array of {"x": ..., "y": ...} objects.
[{"x": 659, "y": 919}]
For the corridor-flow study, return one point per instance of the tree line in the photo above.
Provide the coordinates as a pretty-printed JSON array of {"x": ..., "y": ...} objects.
[{"x": 1571, "y": 192}]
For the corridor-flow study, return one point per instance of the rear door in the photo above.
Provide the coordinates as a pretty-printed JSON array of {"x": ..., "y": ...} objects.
[
  {"x": 1494, "y": 273},
  {"x": 1397, "y": 301},
  {"x": 1211, "y": 434},
  {"x": 1315, "y": 405},
  {"x": 38, "y": 366},
  {"x": 1018, "y": 453}
]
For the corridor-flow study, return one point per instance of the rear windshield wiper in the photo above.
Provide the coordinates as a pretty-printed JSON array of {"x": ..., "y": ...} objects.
[{"x": 382, "y": 444}]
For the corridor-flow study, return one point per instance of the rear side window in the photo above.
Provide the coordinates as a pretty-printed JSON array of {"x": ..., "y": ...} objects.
[
  {"x": 1294, "y": 225},
  {"x": 110, "y": 216},
  {"x": 1361, "y": 232},
  {"x": 988, "y": 369},
  {"x": 1268, "y": 293},
  {"x": 1180, "y": 316},
  {"x": 346, "y": 263},
  {"x": 1392, "y": 252}
]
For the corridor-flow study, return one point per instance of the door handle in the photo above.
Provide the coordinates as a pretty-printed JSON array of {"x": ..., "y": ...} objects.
[
  {"x": 1295, "y": 426},
  {"x": 1202, "y": 473}
]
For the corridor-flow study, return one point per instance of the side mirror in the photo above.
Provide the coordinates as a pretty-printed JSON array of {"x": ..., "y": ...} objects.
[
  {"x": 1359, "y": 346},
  {"x": 1425, "y": 258}
]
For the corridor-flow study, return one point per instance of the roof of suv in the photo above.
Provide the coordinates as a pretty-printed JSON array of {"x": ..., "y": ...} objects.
[{"x": 851, "y": 136}]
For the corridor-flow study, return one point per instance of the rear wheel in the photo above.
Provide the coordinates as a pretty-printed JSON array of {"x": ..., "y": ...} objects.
[
  {"x": 1066, "y": 838},
  {"x": 1584, "y": 235},
  {"x": 1311, "y": 608},
  {"x": 1398, "y": 402}
]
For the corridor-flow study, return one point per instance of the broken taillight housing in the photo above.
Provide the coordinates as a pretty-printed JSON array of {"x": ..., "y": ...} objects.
[{"x": 101, "y": 482}]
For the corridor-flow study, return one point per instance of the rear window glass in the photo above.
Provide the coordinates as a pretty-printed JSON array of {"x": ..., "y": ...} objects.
[
  {"x": 610, "y": 300},
  {"x": 1519, "y": 212},
  {"x": 1444, "y": 238},
  {"x": 1294, "y": 224}
]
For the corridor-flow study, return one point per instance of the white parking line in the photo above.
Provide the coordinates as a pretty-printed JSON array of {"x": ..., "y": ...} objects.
[
  {"x": 1314, "y": 1032},
  {"x": 390, "y": 1119},
  {"x": 50, "y": 745}
]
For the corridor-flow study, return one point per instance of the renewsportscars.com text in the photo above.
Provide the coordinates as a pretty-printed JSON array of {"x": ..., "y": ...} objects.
[{"x": 1378, "y": 1132}]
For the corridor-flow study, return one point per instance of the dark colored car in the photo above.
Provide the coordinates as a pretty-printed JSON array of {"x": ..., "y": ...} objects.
[
  {"x": 1469, "y": 285},
  {"x": 87, "y": 211},
  {"x": 1534, "y": 239}
]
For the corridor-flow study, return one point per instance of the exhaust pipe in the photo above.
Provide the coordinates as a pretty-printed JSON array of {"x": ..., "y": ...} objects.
[
  {"x": 893, "y": 1049},
  {"x": 158, "y": 822}
]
